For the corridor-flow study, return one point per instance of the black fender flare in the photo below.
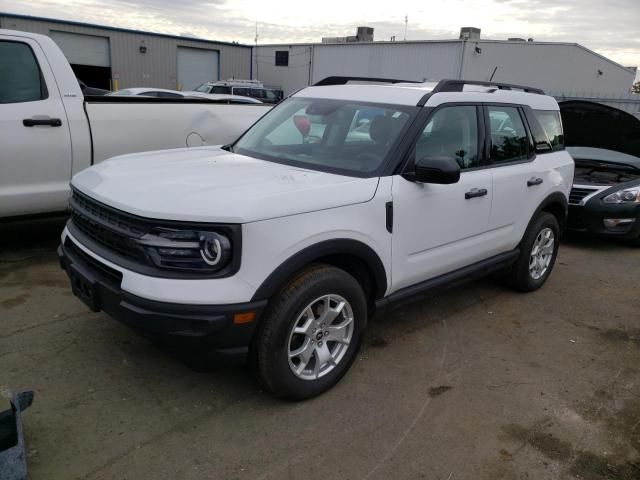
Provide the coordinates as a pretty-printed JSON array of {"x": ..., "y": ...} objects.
[
  {"x": 312, "y": 253},
  {"x": 554, "y": 198}
]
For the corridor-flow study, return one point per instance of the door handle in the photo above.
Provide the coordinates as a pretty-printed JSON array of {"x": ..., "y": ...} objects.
[
  {"x": 475, "y": 192},
  {"x": 534, "y": 181},
  {"x": 32, "y": 122}
]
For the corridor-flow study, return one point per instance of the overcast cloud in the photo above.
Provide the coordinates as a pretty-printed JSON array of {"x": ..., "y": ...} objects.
[{"x": 610, "y": 27}]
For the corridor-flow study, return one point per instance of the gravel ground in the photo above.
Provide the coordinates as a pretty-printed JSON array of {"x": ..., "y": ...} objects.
[{"x": 477, "y": 383}]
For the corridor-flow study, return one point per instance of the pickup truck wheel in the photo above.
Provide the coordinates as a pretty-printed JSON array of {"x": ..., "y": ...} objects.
[
  {"x": 311, "y": 333},
  {"x": 538, "y": 251}
]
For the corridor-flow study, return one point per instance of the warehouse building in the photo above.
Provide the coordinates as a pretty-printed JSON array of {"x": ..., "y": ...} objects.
[
  {"x": 112, "y": 58},
  {"x": 567, "y": 69}
]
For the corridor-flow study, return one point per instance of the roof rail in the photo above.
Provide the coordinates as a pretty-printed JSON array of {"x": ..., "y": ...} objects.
[
  {"x": 344, "y": 80},
  {"x": 449, "y": 85}
]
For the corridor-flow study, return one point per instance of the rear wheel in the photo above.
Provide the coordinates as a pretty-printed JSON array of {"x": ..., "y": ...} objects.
[
  {"x": 311, "y": 333},
  {"x": 538, "y": 251}
]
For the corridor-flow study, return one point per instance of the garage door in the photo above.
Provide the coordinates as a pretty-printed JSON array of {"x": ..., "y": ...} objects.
[
  {"x": 83, "y": 49},
  {"x": 196, "y": 66}
]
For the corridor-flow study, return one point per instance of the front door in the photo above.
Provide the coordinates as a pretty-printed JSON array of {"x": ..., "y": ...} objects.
[
  {"x": 440, "y": 228},
  {"x": 35, "y": 147}
]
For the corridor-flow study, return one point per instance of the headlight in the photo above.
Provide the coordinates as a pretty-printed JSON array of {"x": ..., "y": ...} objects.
[
  {"x": 629, "y": 195},
  {"x": 189, "y": 250}
]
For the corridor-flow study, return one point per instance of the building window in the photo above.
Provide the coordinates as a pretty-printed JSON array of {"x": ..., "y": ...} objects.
[{"x": 282, "y": 58}]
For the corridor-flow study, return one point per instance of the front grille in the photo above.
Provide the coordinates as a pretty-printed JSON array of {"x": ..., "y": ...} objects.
[
  {"x": 578, "y": 193},
  {"x": 108, "y": 227}
]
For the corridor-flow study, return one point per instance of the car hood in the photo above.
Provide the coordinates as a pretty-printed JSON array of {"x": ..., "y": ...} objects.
[
  {"x": 597, "y": 126},
  {"x": 603, "y": 156},
  {"x": 210, "y": 184}
]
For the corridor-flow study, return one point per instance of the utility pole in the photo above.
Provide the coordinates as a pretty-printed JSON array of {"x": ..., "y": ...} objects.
[
  {"x": 406, "y": 21},
  {"x": 256, "y": 50}
]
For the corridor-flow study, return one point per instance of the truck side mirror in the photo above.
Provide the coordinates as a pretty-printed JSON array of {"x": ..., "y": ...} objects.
[{"x": 441, "y": 170}]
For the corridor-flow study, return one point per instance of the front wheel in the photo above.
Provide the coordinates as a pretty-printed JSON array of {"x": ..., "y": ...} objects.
[
  {"x": 311, "y": 333},
  {"x": 538, "y": 251}
]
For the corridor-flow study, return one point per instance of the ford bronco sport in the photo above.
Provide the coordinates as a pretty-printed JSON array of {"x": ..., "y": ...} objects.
[{"x": 342, "y": 199}]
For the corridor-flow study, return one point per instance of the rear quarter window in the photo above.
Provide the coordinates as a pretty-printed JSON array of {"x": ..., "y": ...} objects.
[{"x": 552, "y": 125}]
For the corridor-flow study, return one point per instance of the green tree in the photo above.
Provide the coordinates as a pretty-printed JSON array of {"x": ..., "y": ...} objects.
[{"x": 635, "y": 88}]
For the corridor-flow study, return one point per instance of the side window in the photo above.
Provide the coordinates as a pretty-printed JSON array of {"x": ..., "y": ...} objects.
[
  {"x": 509, "y": 139},
  {"x": 221, "y": 89},
  {"x": 258, "y": 93},
  {"x": 552, "y": 125},
  {"x": 169, "y": 95},
  {"x": 20, "y": 74},
  {"x": 244, "y": 91},
  {"x": 452, "y": 132}
]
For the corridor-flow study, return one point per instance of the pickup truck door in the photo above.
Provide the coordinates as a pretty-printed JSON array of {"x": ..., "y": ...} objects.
[
  {"x": 440, "y": 228},
  {"x": 35, "y": 145}
]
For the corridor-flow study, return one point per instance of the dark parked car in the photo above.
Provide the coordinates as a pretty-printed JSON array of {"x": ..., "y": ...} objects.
[{"x": 605, "y": 144}]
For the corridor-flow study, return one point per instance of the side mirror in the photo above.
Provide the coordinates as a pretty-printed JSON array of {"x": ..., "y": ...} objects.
[
  {"x": 442, "y": 170},
  {"x": 543, "y": 147}
]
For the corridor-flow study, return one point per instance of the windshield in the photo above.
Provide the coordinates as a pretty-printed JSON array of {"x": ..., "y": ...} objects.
[
  {"x": 332, "y": 135},
  {"x": 123, "y": 92},
  {"x": 204, "y": 88}
]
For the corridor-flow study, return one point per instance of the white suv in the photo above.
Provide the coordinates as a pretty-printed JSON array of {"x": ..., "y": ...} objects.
[{"x": 342, "y": 199}]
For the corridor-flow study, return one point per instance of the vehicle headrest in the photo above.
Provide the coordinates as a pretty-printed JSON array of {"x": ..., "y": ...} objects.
[{"x": 380, "y": 129}]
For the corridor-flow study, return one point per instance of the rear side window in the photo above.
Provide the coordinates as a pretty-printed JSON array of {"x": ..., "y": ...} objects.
[
  {"x": 244, "y": 91},
  {"x": 509, "y": 139},
  {"x": 222, "y": 90},
  {"x": 451, "y": 132},
  {"x": 20, "y": 77},
  {"x": 552, "y": 125}
]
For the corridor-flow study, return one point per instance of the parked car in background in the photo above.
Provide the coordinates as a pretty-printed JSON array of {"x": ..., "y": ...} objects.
[
  {"x": 176, "y": 94},
  {"x": 605, "y": 144},
  {"x": 92, "y": 91},
  {"x": 150, "y": 92},
  {"x": 279, "y": 247},
  {"x": 50, "y": 131},
  {"x": 245, "y": 88}
]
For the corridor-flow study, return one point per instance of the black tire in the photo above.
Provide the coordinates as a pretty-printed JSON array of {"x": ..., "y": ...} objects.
[
  {"x": 271, "y": 343},
  {"x": 520, "y": 277}
]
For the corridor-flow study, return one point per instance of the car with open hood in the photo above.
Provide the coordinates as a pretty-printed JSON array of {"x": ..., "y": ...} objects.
[{"x": 605, "y": 144}]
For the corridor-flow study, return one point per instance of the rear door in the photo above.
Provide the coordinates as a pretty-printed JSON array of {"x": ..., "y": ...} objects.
[
  {"x": 35, "y": 155},
  {"x": 519, "y": 179},
  {"x": 440, "y": 228}
]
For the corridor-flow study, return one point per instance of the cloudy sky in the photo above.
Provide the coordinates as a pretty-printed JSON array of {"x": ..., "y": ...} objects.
[{"x": 610, "y": 27}]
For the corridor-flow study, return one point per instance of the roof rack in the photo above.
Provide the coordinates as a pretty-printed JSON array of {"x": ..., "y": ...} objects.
[
  {"x": 344, "y": 80},
  {"x": 449, "y": 85}
]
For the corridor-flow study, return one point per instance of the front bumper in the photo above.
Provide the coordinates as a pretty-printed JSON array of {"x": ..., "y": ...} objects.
[
  {"x": 591, "y": 218},
  {"x": 209, "y": 326}
]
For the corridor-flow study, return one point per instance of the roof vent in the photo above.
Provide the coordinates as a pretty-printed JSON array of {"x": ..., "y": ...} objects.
[{"x": 469, "y": 33}]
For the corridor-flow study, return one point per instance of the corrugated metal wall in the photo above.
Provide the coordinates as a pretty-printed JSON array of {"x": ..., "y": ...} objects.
[
  {"x": 408, "y": 61},
  {"x": 157, "y": 67}
]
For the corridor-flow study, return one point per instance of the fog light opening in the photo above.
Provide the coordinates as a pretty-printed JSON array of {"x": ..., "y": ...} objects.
[{"x": 617, "y": 222}]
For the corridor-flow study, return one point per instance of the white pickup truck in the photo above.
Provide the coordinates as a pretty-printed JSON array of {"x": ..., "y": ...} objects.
[{"x": 49, "y": 131}]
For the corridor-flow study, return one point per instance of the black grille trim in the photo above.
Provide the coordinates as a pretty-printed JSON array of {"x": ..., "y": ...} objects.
[
  {"x": 113, "y": 234},
  {"x": 578, "y": 193},
  {"x": 113, "y": 275}
]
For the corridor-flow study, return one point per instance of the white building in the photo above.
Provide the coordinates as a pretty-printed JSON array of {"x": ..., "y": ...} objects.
[{"x": 563, "y": 69}]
